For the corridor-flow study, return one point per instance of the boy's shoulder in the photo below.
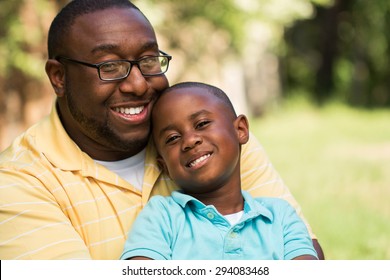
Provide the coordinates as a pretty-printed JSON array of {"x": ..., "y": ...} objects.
[
  {"x": 264, "y": 200},
  {"x": 272, "y": 204},
  {"x": 271, "y": 201},
  {"x": 162, "y": 201}
]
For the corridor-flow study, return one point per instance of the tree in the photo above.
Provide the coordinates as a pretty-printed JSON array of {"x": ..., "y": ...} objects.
[
  {"x": 230, "y": 43},
  {"x": 342, "y": 53}
]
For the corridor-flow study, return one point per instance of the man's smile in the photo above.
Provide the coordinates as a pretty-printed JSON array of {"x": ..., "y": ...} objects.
[{"x": 129, "y": 110}]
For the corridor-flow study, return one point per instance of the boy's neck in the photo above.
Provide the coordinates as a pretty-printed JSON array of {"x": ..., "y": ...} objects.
[{"x": 226, "y": 202}]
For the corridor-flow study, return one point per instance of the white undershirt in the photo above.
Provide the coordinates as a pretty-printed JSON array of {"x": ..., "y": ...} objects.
[
  {"x": 234, "y": 218},
  {"x": 130, "y": 169}
]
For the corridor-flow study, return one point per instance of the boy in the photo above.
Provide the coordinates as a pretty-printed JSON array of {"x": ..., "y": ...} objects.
[{"x": 198, "y": 137}]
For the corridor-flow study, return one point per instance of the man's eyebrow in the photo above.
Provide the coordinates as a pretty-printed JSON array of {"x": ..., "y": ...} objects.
[
  {"x": 104, "y": 48},
  {"x": 151, "y": 45},
  {"x": 110, "y": 47}
]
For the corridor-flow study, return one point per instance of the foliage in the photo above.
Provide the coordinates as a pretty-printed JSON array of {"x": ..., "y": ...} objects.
[
  {"x": 341, "y": 53},
  {"x": 22, "y": 47},
  {"x": 23, "y": 30},
  {"x": 229, "y": 43},
  {"x": 335, "y": 161},
  {"x": 331, "y": 49}
]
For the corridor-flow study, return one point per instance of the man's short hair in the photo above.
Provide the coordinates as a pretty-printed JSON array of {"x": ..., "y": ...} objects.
[{"x": 64, "y": 20}]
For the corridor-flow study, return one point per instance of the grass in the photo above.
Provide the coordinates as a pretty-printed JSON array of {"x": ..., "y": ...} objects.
[{"x": 336, "y": 162}]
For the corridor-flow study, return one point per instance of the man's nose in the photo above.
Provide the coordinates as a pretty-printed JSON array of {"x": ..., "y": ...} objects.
[{"x": 135, "y": 83}]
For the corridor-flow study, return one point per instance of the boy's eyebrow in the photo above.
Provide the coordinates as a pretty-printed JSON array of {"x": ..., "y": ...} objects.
[
  {"x": 168, "y": 127},
  {"x": 191, "y": 117},
  {"x": 196, "y": 114}
]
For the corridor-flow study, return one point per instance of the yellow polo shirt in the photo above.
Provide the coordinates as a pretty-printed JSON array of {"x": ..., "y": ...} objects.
[{"x": 57, "y": 203}]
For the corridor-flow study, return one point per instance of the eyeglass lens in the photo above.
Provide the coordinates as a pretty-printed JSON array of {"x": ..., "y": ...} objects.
[{"x": 120, "y": 69}]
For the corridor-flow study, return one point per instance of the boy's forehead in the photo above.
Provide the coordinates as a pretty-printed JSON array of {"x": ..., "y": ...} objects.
[
  {"x": 191, "y": 93},
  {"x": 190, "y": 101}
]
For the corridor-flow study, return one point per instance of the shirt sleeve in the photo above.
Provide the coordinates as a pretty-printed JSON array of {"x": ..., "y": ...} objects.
[
  {"x": 33, "y": 226},
  {"x": 297, "y": 241},
  {"x": 151, "y": 233},
  {"x": 260, "y": 178}
]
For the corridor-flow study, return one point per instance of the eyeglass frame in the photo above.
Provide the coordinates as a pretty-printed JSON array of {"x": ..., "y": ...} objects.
[{"x": 132, "y": 63}]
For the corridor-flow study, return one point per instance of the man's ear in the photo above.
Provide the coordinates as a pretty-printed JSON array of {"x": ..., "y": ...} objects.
[
  {"x": 241, "y": 125},
  {"x": 56, "y": 73}
]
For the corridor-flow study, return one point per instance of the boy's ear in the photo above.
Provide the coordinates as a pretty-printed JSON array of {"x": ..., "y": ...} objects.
[
  {"x": 162, "y": 165},
  {"x": 56, "y": 73},
  {"x": 241, "y": 125}
]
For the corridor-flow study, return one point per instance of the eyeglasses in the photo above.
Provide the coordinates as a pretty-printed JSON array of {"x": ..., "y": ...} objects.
[{"x": 113, "y": 70}]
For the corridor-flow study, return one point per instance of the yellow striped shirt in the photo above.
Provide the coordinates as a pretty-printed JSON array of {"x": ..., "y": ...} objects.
[{"x": 57, "y": 203}]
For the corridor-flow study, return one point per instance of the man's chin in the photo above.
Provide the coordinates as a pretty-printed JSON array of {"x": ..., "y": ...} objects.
[{"x": 132, "y": 143}]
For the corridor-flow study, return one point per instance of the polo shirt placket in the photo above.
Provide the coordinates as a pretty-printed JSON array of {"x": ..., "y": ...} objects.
[{"x": 231, "y": 235}]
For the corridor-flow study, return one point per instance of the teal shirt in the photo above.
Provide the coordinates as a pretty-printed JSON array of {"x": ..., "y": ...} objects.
[{"x": 180, "y": 227}]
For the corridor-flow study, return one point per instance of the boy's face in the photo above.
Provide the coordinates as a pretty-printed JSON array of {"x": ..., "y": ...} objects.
[{"x": 198, "y": 138}]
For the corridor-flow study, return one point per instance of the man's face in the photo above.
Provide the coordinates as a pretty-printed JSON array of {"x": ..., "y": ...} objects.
[
  {"x": 196, "y": 135},
  {"x": 109, "y": 120}
]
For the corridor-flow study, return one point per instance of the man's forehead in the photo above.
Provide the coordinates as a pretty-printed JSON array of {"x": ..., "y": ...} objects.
[
  {"x": 113, "y": 29},
  {"x": 109, "y": 16}
]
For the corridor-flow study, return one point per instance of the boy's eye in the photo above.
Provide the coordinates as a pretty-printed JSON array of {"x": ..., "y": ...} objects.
[
  {"x": 171, "y": 139},
  {"x": 202, "y": 123}
]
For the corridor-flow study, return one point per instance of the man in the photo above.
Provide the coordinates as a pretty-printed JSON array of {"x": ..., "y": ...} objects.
[{"x": 72, "y": 185}]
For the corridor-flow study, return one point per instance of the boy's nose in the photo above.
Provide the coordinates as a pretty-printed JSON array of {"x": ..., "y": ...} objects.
[{"x": 191, "y": 141}]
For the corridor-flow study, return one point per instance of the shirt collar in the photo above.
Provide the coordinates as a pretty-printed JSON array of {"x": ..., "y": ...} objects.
[
  {"x": 62, "y": 152},
  {"x": 182, "y": 199},
  {"x": 57, "y": 146},
  {"x": 252, "y": 208}
]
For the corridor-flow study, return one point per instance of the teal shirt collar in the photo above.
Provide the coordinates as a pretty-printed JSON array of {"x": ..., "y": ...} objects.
[{"x": 251, "y": 208}]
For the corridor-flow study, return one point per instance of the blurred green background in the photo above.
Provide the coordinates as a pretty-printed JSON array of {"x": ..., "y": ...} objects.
[{"x": 312, "y": 75}]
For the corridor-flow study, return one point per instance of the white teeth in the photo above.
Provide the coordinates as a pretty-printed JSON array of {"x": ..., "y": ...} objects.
[
  {"x": 197, "y": 161},
  {"x": 130, "y": 111}
]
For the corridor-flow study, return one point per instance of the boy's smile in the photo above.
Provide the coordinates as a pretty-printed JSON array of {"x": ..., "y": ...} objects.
[{"x": 199, "y": 162}]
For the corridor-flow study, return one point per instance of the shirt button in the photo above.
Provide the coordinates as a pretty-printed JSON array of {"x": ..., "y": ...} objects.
[
  {"x": 210, "y": 215},
  {"x": 233, "y": 234}
]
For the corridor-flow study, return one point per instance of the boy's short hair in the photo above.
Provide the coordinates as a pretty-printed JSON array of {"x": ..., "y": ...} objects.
[{"x": 211, "y": 89}]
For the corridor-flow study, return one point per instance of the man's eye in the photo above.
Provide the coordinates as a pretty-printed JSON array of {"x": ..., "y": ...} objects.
[
  {"x": 150, "y": 64},
  {"x": 110, "y": 67},
  {"x": 149, "y": 60}
]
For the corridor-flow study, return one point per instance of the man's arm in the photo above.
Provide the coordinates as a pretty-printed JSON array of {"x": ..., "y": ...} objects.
[
  {"x": 318, "y": 248},
  {"x": 305, "y": 257},
  {"x": 33, "y": 226}
]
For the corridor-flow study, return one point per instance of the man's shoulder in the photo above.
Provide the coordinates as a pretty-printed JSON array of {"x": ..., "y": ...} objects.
[
  {"x": 21, "y": 149},
  {"x": 26, "y": 153}
]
